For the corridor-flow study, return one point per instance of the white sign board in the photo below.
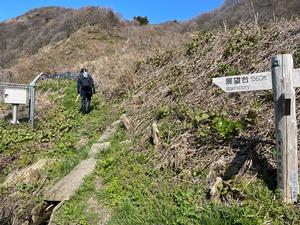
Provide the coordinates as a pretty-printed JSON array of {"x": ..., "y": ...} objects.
[
  {"x": 285, "y": 79},
  {"x": 15, "y": 96},
  {"x": 251, "y": 82},
  {"x": 296, "y": 78}
]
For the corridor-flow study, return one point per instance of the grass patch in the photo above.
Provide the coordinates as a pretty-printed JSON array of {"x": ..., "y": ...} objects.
[
  {"x": 58, "y": 130},
  {"x": 62, "y": 134},
  {"x": 135, "y": 191},
  {"x": 138, "y": 194},
  {"x": 75, "y": 211},
  {"x": 88, "y": 126}
]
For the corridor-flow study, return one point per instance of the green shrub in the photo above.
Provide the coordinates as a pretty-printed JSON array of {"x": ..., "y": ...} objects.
[
  {"x": 163, "y": 112},
  {"x": 143, "y": 20},
  {"x": 226, "y": 128},
  {"x": 227, "y": 70},
  {"x": 138, "y": 194}
]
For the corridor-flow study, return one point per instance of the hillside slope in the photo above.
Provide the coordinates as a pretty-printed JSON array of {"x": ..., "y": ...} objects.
[
  {"x": 110, "y": 55},
  {"x": 216, "y": 160},
  {"x": 91, "y": 37},
  {"x": 177, "y": 90},
  {"x": 234, "y": 12},
  {"x": 200, "y": 126},
  {"x": 25, "y": 35}
]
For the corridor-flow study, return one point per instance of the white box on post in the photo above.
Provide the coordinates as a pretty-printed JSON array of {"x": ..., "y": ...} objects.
[{"x": 15, "y": 96}]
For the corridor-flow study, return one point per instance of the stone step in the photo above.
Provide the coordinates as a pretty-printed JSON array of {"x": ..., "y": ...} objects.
[
  {"x": 109, "y": 132},
  {"x": 97, "y": 147},
  {"x": 66, "y": 188}
]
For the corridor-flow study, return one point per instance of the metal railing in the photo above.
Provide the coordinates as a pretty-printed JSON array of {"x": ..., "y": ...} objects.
[{"x": 32, "y": 99}]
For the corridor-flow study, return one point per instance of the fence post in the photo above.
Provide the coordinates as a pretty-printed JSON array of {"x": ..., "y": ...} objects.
[
  {"x": 32, "y": 98},
  {"x": 32, "y": 104},
  {"x": 286, "y": 126},
  {"x": 15, "y": 114}
]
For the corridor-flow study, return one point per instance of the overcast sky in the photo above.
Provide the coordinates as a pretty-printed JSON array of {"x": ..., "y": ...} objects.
[{"x": 157, "y": 10}]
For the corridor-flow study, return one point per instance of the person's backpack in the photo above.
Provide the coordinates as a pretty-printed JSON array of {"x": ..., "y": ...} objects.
[{"x": 85, "y": 83}]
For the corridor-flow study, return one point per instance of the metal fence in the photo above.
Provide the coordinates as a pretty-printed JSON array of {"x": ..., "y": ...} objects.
[
  {"x": 62, "y": 76},
  {"x": 30, "y": 104}
]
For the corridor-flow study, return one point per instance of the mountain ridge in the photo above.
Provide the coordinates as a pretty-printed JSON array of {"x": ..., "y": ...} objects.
[
  {"x": 25, "y": 36},
  {"x": 234, "y": 12}
]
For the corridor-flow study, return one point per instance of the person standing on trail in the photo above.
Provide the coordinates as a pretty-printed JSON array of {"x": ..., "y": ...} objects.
[{"x": 86, "y": 89}]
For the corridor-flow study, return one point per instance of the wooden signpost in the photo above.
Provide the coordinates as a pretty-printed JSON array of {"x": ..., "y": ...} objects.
[{"x": 282, "y": 80}]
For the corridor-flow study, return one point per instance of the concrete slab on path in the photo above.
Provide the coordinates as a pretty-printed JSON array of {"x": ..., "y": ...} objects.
[
  {"x": 66, "y": 188},
  {"x": 97, "y": 147},
  {"x": 109, "y": 132}
]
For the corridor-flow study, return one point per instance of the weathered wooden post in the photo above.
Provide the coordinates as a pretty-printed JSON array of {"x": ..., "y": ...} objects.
[
  {"x": 283, "y": 79},
  {"x": 286, "y": 126}
]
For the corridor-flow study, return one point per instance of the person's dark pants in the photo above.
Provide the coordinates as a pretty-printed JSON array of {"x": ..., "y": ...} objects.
[{"x": 86, "y": 97}]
